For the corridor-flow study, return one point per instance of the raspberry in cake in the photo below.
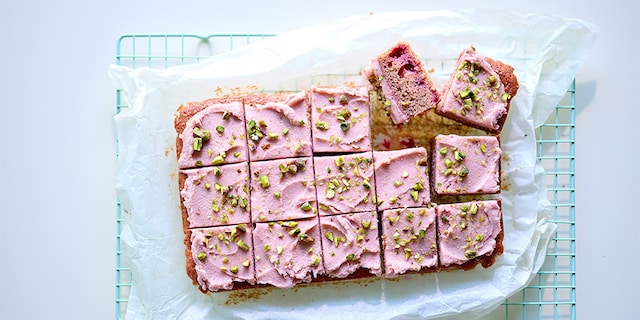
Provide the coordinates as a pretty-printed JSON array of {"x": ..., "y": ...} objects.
[
  {"x": 402, "y": 178},
  {"x": 409, "y": 241},
  {"x": 466, "y": 164},
  {"x": 340, "y": 119},
  {"x": 282, "y": 189}
]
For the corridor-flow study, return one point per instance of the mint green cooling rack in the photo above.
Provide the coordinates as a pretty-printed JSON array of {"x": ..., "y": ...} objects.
[{"x": 552, "y": 292}]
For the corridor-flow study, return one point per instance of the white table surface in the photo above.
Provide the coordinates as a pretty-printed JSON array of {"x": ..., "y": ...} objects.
[{"x": 58, "y": 164}]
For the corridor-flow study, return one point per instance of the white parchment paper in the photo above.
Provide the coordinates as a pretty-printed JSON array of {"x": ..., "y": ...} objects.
[{"x": 546, "y": 52}]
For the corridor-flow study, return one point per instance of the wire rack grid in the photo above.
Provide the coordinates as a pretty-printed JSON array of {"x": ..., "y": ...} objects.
[{"x": 552, "y": 292}]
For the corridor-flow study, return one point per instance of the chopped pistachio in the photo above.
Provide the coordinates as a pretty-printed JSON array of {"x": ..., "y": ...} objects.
[
  {"x": 217, "y": 171},
  {"x": 264, "y": 181},
  {"x": 397, "y": 183},
  {"x": 294, "y": 232},
  {"x": 322, "y": 125},
  {"x": 207, "y": 186},
  {"x": 234, "y": 269},
  {"x": 448, "y": 172},
  {"x": 267, "y": 247},
  {"x": 505, "y": 97},
  {"x": 396, "y": 236},
  {"x": 276, "y": 194},
  {"x": 329, "y": 235},
  {"x": 289, "y": 224},
  {"x": 366, "y": 184},
  {"x": 202, "y": 256},
  {"x": 448, "y": 163},
  {"x": 422, "y": 161},
  {"x": 316, "y": 260},
  {"x": 418, "y": 186},
  {"x": 225, "y": 115},
  {"x": 350, "y": 257},
  {"x": 241, "y": 227},
  {"x": 366, "y": 223},
  {"x": 458, "y": 155},
  {"x": 343, "y": 115},
  {"x": 483, "y": 147},
  {"x": 393, "y": 199},
  {"x": 218, "y": 160},
  {"x": 332, "y": 99},
  {"x": 306, "y": 206},
  {"x": 407, "y": 253},
  {"x": 422, "y": 233},
  {"x": 279, "y": 249},
  {"x": 237, "y": 154},
  {"x": 473, "y": 209},
  {"x": 463, "y": 171},
  {"x": 343, "y": 99},
  {"x": 414, "y": 195},
  {"x": 224, "y": 269},
  {"x": 339, "y": 161},
  {"x": 409, "y": 216},
  {"x": 246, "y": 263},
  {"x": 220, "y": 129},
  {"x": 273, "y": 135},
  {"x": 479, "y": 237},
  {"x": 345, "y": 126},
  {"x": 470, "y": 254},
  {"x": 225, "y": 259},
  {"x": 301, "y": 122},
  {"x": 204, "y": 134},
  {"x": 330, "y": 193},
  {"x": 405, "y": 174},
  {"x": 305, "y": 238},
  {"x": 243, "y": 245},
  {"x": 444, "y": 150},
  {"x": 197, "y": 144}
]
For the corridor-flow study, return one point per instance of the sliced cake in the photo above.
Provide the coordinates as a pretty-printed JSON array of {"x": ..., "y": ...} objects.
[
  {"x": 214, "y": 196},
  {"x": 402, "y": 178},
  {"x": 469, "y": 234},
  {"x": 479, "y": 92},
  {"x": 466, "y": 164},
  {"x": 221, "y": 258},
  {"x": 211, "y": 133},
  {"x": 350, "y": 245},
  {"x": 340, "y": 119},
  {"x": 345, "y": 183},
  {"x": 282, "y": 189},
  {"x": 278, "y": 126},
  {"x": 287, "y": 252},
  {"x": 399, "y": 76},
  {"x": 409, "y": 241}
]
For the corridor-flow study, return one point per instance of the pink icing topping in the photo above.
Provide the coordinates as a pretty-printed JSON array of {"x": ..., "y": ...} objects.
[
  {"x": 402, "y": 178},
  {"x": 486, "y": 104},
  {"x": 287, "y": 252},
  {"x": 350, "y": 242},
  {"x": 345, "y": 183},
  {"x": 340, "y": 119},
  {"x": 467, "y": 230},
  {"x": 466, "y": 164},
  {"x": 409, "y": 240},
  {"x": 286, "y": 128},
  {"x": 225, "y": 125},
  {"x": 222, "y": 255},
  {"x": 282, "y": 189},
  {"x": 217, "y": 195}
]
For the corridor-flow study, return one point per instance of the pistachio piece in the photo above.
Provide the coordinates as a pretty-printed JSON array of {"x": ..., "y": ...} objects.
[
  {"x": 463, "y": 171},
  {"x": 345, "y": 126},
  {"x": 246, "y": 263},
  {"x": 273, "y": 135},
  {"x": 339, "y": 161},
  {"x": 414, "y": 195},
  {"x": 285, "y": 131},
  {"x": 448, "y": 162},
  {"x": 202, "y": 256},
  {"x": 225, "y": 259},
  {"x": 197, "y": 144},
  {"x": 225, "y": 115},
  {"x": 316, "y": 260},
  {"x": 505, "y": 96},
  {"x": 220, "y": 129},
  {"x": 241, "y": 227},
  {"x": 479, "y": 237},
  {"x": 243, "y": 245},
  {"x": 234, "y": 269},
  {"x": 473, "y": 209},
  {"x": 217, "y": 171},
  {"x": 305, "y": 238},
  {"x": 458, "y": 155},
  {"x": 279, "y": 250},
  {"x": 204, "y": 134},
  {"x": 264, "y": 181},
  {"x": 306, "y": 206},
  {"x": 218, "y": 160},
  {"x": 470, "y": 254},
  {"x": 343, "y": 99},
  {"x": 294, "y": 232},
  {"x": 444, "y": 150},
  {"x": 418, "y": 186},
  {"x": 422, "y": 233},
  {"x": 329, "y": 235},
  {"x": 366, "y": 223},
  {"x": 322, "y": 125},
  {"x": 332, "y": 99},
  {"x": 366, "y": 184},
  {"x": 398, "y": 183},
  {"x": 350, "y": 257},
  {"x": 276, "y": 194},
  {"x": 330, "y": 193},
  {"x": 483, "y": 147}
]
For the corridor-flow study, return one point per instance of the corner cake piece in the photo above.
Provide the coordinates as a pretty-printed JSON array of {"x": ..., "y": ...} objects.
[
  {"x": 409, "y": 241},
  {"x": 350, "y": 245},
  {"x": 278, "y": 126},
  {"x": 479, "y": 92},
  {"x": 469, "y": 233},
  {"x": 220, "y": 258},
  {"x": 345, "y": 183},
  {"x": 399, "y": 76},
  {"x": 282, "y": 189},
  {"x": 287, "y": 252},
  {"x": 214, "y": 196},
  {"x": 214, "y": 135},
  {"x": 466, "y": 165},
  {"x": 402, "y": 178},
  {"x": 340, "y": 119}
]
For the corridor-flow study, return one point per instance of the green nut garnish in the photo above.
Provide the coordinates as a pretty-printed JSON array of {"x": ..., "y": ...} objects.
[
  {"x": 339, "y": 161},
  {"x": 470, "y": 254},
  {"x": 459, "y": 155},
  {"x": 246, "y": 263},
  {"x": 322, "y": 125},
  {"x": 306, "y": 206},
  {"x": 234, "y": 269},
  {"x": 241, "y": 227},
  {"x": 294, "y": 232},
  {"x": 414, "y": 195},
  {"x": 330, "y": 193},
  {"x": 345, "y": 126},
  {"x": 279, "y": 249},
  {"x": 505, "y": 97},
  {"x": 218, "y": 160},
  {"x": 276, "y": 194},
  {"x": 225, "y": 115},
  {"x": 225, "y": 259},
  {"x": 366, "y": 223},
  {"x": 483, "y": 147},
  {"x": 448, "y": 162},
  {"x": 473, "y": 209},
  {"x": 329, "y": 235},
  {"x": 343, "y": 99},
  {"x": 305, "y": 238},
  {"x": 332, "y": 99},
  {"x": 273, "y": 135},
  {"x": 204, "y": 134},
  {"x": 422, "y": 233},
  {"x": 220, "y": 129},
  {"x": 202, "y": 256},
  {"x": 479, "y": 237},
  {"x": 350, "y": 257},
  {"x": 366, "y": 184},
  {"x": 264, "y": 181},
  {"x": 197, "y": 144},
  {"x": 418, "y": 186},
  {"x": 285, "y": 131},
  {"x": 398, "y": 183},
  {"x": 463, "y": 171},
  {"x": 217, "y": 171},
  {"x": 243, "y": 245},
  {"x": 343, "y": 115},
  {"x": 316, "y": 260},
  {"x": 444, "y": 150}
]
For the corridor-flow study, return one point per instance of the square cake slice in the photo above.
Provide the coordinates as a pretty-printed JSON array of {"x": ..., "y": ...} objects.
[
  {"x": 287, "y": 252},
  {"x": 409, "y": 241},
  {"x": 345, "y": 183},
  {"x": 214, "y": 135},
  {"x": 340, "y": 119},
  {"x": 479, "y": 92},
  {"x": 282, "y": 189},
  {"x": 350, "y": 245},
  {"x": 469, "y": 234},
  {"x": 402, "y": 178},
  {"x": 466, "y": 165},
  {"x": 278, "y": 126},
  {"x": 399, "y": 76},
  {"x": 214, "y": 196},
  {"x": 221, "y": 258}
]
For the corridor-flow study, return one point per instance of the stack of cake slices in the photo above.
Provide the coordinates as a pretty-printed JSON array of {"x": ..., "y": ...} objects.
[{"x": 282, "y": 189}]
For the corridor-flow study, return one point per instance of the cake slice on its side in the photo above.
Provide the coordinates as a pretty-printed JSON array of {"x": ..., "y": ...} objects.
[
  {"x": 402, "y": 178},
  {"x": 479, "y": 92},
  {"x": 220, "y": 258},
  {"x": 350, "y": 245},
  {"x": 211, "y": 133},
  {"x": 399, "y": 76},
  {"x": 340, "y": 119},
  {"x": 278, "y": 126},
  {"x": 287, "y": 252},
  {"x": 409, "y": 241},
  {"x": 465, "y": 165},
  {"x": 469, "y": 233}
]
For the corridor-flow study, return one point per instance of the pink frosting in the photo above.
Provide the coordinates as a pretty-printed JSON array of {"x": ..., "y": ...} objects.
[
  {"x": 289, "y": 192},
  {"x": 230, "y": 144},
  {"x": 350, "y": 242},
  {"x": 467, "y": 230},
  {"x": 402, "y": 178},
  {"x": 491, "y": 107},
  {"x": 217, "y": 195},
  {"x": 409, "y": 240},
  {"x": 287, "y": 130},
  {"x": 340, "y": 119},
  {"x": 481, "y": 159},
  {"x": 222, "y": 256},
  {"x": 287, "y": 252},
  {"x": 347, "y": 188}
]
